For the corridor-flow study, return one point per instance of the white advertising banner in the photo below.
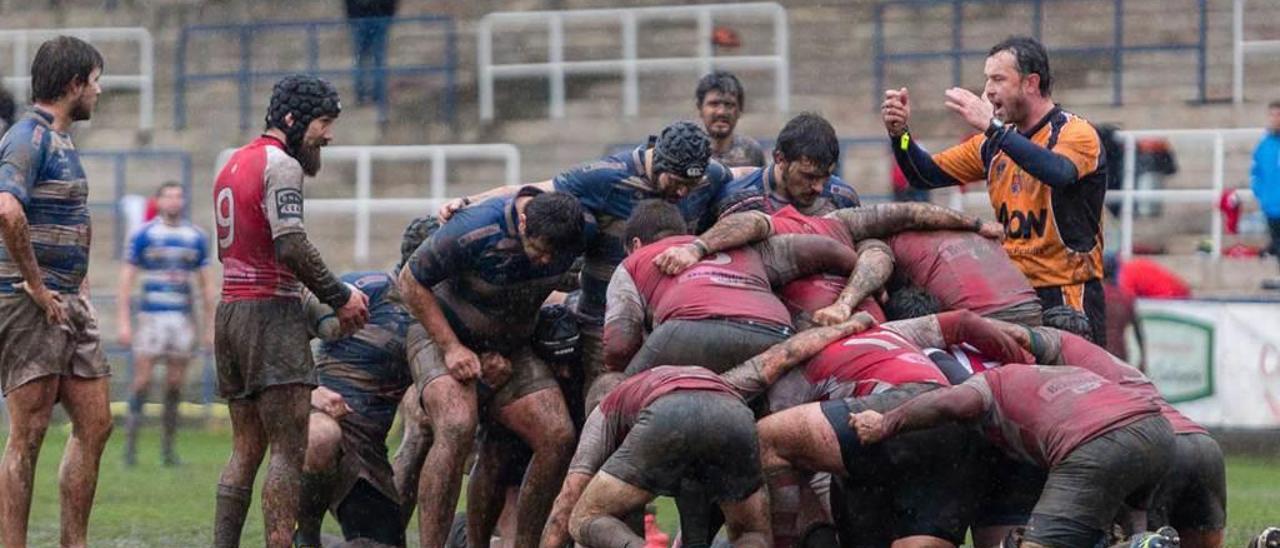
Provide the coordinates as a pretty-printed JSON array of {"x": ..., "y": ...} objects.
[{"x": 1217, "y": 361}]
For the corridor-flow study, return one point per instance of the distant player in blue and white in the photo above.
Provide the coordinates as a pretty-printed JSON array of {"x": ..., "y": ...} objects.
[{"x": 167, "y": 252}]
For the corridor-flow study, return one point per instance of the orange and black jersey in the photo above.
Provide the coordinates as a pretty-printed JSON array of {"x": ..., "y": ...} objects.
[{"x": 1046, "y": 185}]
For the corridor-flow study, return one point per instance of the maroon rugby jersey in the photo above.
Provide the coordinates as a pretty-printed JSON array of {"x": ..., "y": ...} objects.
[
  {"x": 812, "y": 293},
  {"x": 860, "y": 364},
  {"x": 257, "y": 197},
  {"x": 963, "y": 270},
  {"x": 1042, "y": 413}
]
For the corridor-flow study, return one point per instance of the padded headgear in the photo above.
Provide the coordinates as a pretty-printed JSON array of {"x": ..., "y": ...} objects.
[
  {"x": 417, "y": 232},
  {"x": 555, "y": 337},
  {"x": 682, "y": 149},
  {"x": 307, "y": 98}
]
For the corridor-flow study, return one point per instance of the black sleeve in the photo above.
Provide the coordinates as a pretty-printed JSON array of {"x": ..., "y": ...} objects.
[
  {"x": 1050, "y": 168},
  {"x": 918, "y": 166}
]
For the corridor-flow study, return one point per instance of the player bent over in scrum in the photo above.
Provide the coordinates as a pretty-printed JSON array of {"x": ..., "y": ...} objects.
[{"x": 670, "y": 423}]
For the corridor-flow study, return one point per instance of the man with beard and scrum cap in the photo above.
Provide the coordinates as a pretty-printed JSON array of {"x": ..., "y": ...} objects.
[{"x": 264, "y": 363}]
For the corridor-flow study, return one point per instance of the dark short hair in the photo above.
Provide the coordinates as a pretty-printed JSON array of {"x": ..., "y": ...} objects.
[
  {"x": 1031, "y": 58},
  {"x": 653, "y": 220},
  {"x": 724, "y": 82},
  {"x": 910, "y": 302},
  {"x": 168, "y": 185},
  {"x": 1067, "y": 319},
  {"x": 556, "y": 218},
  {"x": 810, "y": 136},
  {"x": 1274, "y": 104},
  {"x": 61, "y": 62}
]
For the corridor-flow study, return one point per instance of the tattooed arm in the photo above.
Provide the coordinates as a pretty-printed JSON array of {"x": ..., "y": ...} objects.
[
  {"x": 875, "y": 265},
  {"x": 884, "y": 220},
  {"x": 756, "y": 374},
  {"x": 729, "y": 232}
]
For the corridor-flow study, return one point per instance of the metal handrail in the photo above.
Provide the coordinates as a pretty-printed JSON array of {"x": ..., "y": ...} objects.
[{"x": 1240, "y": 47}]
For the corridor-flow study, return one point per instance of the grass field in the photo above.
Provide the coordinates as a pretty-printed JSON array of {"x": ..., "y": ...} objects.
[{"x": 155, "y": 506}]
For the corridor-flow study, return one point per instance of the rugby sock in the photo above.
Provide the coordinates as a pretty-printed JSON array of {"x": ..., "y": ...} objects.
[
  {"x": 131, "y": 425},
  {"x": 317, "y": 488},
  {"x": 228, "y": 519},
  {"x": 608, "y": 531},
  {"x": 170, "y": 423}
]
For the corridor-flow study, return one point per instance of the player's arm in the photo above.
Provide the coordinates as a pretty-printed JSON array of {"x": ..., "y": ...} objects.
[
  {"x": 19, "y": 165},
  {"x": 434, "y": 261},
  {"x": 124, "y": 302},
  {"x": 594, "y": 449},
  {"x": 623, "y": 320},
  {"x": 730, "y": 232},
  {"x": 283, "y": 203},
  {"x": 875, "y": 265},
  {"x": 884, "y": 220},
  {"x": 926, "y": 171},
  {"x": 955, "y": 403},
  {"x": 963, "y": 326},
  {"x": 505, "y": 191},
  {"x": 791, "y": 256},
  {"x": 1049, "y": 167},
  {"x": 754, "y": 376},
  {"x": 208, "y": 288}
]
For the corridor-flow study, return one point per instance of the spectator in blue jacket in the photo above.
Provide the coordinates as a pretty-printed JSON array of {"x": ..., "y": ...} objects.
[
  {"x": 370, "y": 20},
  {"x": 1264, "y": 177}
]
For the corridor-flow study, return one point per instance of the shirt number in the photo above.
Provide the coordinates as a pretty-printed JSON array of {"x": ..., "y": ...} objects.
[{"x": 224, "y": 213}]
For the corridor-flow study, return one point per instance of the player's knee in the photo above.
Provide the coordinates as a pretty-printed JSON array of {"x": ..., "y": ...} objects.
[
  {"x": 94, "y": 430},
  {"x": 557, "y": 435},
  {"x": 324, "y": 437},
  {"x": 455, "y": 426}
]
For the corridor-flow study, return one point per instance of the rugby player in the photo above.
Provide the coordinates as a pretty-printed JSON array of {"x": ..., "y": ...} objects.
[
  {"x": 169, "y": 251},
  {"x": 50, "y": 350},
  {"x": 675, "y": 166},
  {"x": 914, "y": 490},
  {"x": 1103, "y": 444},
  {"x": 1045, "y": 169},
  {"x": 801, "y": 174},
  {"x": 659, "y": 427},
  {"x": 720, "y": 101},
  {"x": 265, "y": 369},
  {"x": 362, "y": 378},
  {"x": 718, "y": 313},
  {"x": 475, "y": 285},
  {"x": 851, "y": 226},
  {"x": 1192, "y": 497}
]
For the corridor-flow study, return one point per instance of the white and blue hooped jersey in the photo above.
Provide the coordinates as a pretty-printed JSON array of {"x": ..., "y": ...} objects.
[{"x": 167, "y": 256}]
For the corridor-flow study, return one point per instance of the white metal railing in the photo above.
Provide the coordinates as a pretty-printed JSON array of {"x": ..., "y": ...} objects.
[
  {"x": 24, "y": 41},
  {"x": 363, "y": 204},
  {"x": 630, "y": 65},
  {"x": 1240, "y": 47},
  {"x": 1128, "y": 195}
]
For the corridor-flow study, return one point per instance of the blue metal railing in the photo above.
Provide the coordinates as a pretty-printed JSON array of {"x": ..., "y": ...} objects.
[
  {"x": 957, "y": 52},
  {"x": 244, "y": 75},
  {"x": 846, "y": 143},
  {"x": 120, "y": 173}
]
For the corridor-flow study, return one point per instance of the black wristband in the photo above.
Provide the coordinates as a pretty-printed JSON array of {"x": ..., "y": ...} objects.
[{"x": 334, "y": 293}]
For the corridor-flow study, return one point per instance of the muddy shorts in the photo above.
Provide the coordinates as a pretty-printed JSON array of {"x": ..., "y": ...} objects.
[
  {"x": 917, "y": 483},
  {"x": 691, "y": 435},
  {"x": 529, "y": 374},
  {"x": 1193, "y": 496},
  {"x": 31, "y": 348},
  {"x": 1085, "y": 491},
  {"x": 167, "y": 334},
  {"x": 716, "y": 344},
  {"x": 260, "y": 344},
  {"x": 362, "y": 456}
]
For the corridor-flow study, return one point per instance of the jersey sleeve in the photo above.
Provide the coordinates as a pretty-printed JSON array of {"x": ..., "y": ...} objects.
[
  {"x": 623, "y": 320},
  {"x": 842, "y": 194},
  {"x": 21, "y": 156},
  {"x": 1080, "y": 144},
  {"x": 202, "y": 248},
  {"x": 282, "y": 195},
  {"x": 594, "y": 445},
  {"x": 963, "y": 162},
  {"x": 137, "y": 247},
  {"x": 979, "y": 384},
  {"x": 590, "y": 183},
  {"x": 442, "y": 254}
]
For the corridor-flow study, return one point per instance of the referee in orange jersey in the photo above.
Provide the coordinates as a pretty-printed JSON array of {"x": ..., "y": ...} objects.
[{"x": 1045, "y": 170}]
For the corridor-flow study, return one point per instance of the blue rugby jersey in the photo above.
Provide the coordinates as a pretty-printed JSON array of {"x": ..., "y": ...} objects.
[
  {"x": 167, "y": 256},
  {"x": 484, "y": 281},
  {"x": 41, "y": 168},
  {"x": 609, "y": 188},
  {"x": 369, "y": 368},
  {"x": 758, "y": 190}
]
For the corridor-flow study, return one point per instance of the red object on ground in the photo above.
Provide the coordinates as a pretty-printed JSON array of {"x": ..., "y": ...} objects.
[
  {"x": 653, "y": 536},
  {"x": 1149, "y": 279}
]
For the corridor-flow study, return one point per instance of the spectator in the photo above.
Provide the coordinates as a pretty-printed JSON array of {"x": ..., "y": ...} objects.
[
  {"x": 1264, "y": 178},
  {"x": 1121, "y": 313},
  {"x": 8, "y": 109},
  {"x": 721, "y": 100},
  {"x": 1148, "y": 279},
  {"x": 370, "y": 20}
]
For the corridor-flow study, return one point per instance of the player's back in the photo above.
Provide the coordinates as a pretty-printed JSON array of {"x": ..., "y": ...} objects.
[
  {"x": 371, "y": 363},
  {"x": 245, "y": 244},
  {"x": 865, "y": 362},
  {"x": 964, "y": 270}
]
